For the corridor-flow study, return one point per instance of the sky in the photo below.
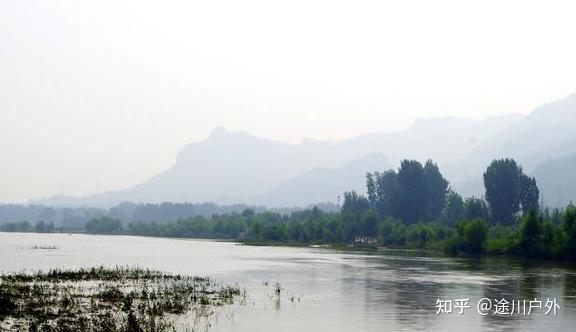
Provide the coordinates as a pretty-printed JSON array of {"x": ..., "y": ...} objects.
[{"x": 101, "y": 95}]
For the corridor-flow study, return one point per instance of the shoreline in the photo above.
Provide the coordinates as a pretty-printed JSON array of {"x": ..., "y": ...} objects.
[{"x": 342, "y": 247}]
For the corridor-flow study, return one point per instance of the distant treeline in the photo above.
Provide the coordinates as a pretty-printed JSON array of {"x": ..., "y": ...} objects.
[
  {"x": 75, "y": 219},
  {"x": 411, "y": 207}
]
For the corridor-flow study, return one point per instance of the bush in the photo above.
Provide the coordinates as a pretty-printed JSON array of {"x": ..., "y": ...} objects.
[
  {"x": 104, "y": 226},
  {"x": 470, "y": 238}
]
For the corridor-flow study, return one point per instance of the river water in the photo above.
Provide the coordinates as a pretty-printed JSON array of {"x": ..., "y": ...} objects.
[{"x": 329, "y": 290}]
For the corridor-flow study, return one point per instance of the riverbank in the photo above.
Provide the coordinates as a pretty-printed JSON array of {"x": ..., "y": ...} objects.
[{"x": 437, "y": 251}]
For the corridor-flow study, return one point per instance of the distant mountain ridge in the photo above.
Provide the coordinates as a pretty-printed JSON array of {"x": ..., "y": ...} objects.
[
  {"x": 557, "y": 180},
  {"x": 546, "y": 133},
  {"x": 324, "y": 184},
  {"x": 236, "y": 167},
  {"x": 538, "y": 142}
]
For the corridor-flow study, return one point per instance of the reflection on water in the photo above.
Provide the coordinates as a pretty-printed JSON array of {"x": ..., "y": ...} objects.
[{"x": 324, "y": 290}]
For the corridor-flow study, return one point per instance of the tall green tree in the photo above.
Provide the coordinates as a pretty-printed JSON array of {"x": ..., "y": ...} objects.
[
  {"x": 530, "y": 235},
  {"x": 475, "y": 208},
  {"x": 570, "y": 230},
  {"x": 502, "y": 182},
  {"x": 355, "y": 203},
  {"x": 369, "y": 223},
  {"x": 454, "y": 209},
  {"x": 371, "y": 189},
  {"x": 437, "y": 188},
  {"x": 528, "y": 193},
  {"x": 474, "y": 235},
  {"x": 104, "y": 225},
  {"x": 412, "y": 192},
  {"x": 385, "y": 192}
]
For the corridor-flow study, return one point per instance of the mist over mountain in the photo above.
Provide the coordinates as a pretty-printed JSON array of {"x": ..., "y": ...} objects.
[
  {"x": 547, "y": 133},
  {"x": 236, "y": 167},
  {"x": 557, "y": 179},
  {"x": 324, "y": 184}
]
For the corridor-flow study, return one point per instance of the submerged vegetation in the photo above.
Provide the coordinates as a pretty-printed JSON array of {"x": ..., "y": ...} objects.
[{"x": 107, "y": 299}]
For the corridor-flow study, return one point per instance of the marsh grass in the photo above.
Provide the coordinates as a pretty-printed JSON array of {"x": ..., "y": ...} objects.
[
  {"x": 44, "y": 247},
  {"x": 107, "y": 299}
]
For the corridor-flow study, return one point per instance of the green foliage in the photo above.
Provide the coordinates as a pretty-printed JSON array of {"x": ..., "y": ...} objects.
[
  {"x": 570, "y": 231},
  {"x": 104, "y": 225},
  {"x": 355, "y": 203},
  {"x": 369, "y": 223},
  {"x": 530, "y": 235},
  {"x": 392, "y": 233},
  {"x": 436, "y": 190},
  {"x": 475, "y": 208},
  {"x": 497, "y": 246},
  {"x": 501, "y": 181},
  {"x": 383, "y": 192},
  {"x": 470, "y": 238},
  {"x": 22, "y": 226},
  {"x": 528, "y": 193},
  {"x": 474, "y": 234},
  {"x": 414, "y": 193},
  {"x": 454, "y": 209},
  {"x": 43, "y": 227},
  {"x": 508, "y": 190},
  {"x": 247, "y": 212},
  {"x": 408, "y": 208}
]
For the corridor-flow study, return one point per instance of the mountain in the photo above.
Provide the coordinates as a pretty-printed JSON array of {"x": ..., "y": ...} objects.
[
  {"x": 557, "y": 180},
  {"x": 236, "y": 167},
  {"x": 539, "y": 142},
  {"x": 546, "y": 133},
  {"x": 324, "y": 184}
]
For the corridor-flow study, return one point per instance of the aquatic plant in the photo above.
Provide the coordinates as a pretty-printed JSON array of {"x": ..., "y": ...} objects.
[{"x": 106, "y": 299}]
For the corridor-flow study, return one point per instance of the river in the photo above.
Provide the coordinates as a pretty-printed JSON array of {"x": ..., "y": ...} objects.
[{"x": 328, "y": 290}]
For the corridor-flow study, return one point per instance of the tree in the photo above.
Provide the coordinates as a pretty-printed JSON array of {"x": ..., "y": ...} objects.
[
  {"x": 22, "y": 226},
  {"x": 103, "y": 225},
  {"x": 570, "y": 230},
  {"x": 470, "y": 237},
  {"x": 384, "y": 192},
  {"x": 475, "y": 208},
  {"x": 454, "y": 209},
  {"x": 369, "y": 223},
  {"x": 437, "y": 188},
  {"x": 528, "y": 193},
  {"x": 371, "y": 189},
  {"x": 247, "y": 213},
  {"x": 43, "y": 227},
  {"x": 355, "y": 203},
  {"x": 502, "y": 182},
  {"x": 412, "y": 192},
  {"x": 257, "y": 230},
  {"x": 530, "y": 234},
  {"x": 474, "y": 235}
]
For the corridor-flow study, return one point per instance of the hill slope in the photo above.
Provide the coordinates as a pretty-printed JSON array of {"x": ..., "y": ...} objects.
[
  {"x": 235, "y": 167},
  {"x": 557, "y": 180}
]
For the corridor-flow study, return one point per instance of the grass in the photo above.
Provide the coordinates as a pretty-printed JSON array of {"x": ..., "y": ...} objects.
[
  {"x": 44, "y": 247},
  {"x": 107, "y": 299}
]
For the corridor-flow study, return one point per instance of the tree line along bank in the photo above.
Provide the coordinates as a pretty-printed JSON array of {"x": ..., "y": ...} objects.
[{"x": 410, "y": 207}]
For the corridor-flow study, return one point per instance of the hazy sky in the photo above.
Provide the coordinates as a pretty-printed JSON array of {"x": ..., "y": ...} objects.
[{"x": 99, "y": 95}]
